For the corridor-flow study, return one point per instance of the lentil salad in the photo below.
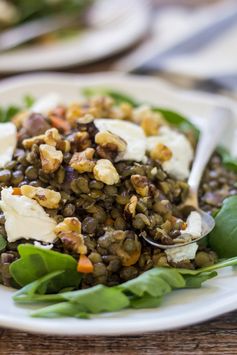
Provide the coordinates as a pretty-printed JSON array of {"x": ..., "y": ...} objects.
[{"x": 100, "y": 203}]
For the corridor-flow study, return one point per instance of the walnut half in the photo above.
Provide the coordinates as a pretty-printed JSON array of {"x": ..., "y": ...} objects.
[
  {"x": 50, "y": 157},
  {"x": 83, "y": 161},
  {"x": 130, "y": 208},
  {"x": 105, "y": 171},
  {"x": 45, "y": 197},
  {"x": 161, "y": 153},
  {"x": 69, "y": 231},
  {"x": 107, "y": 138},
  {"x": 140, "y": 184}
]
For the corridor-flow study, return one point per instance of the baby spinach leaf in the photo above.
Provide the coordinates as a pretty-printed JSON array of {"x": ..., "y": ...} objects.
[
  {"x": 155, "y": 282},
  {"x": 146, "y": 301},
  {"x": 177, "y": 120},
  {"x": 28, "y": 101},
  {"x": 35, "y": 291},
  {"x": 195, "y": 281},
  {"x": 36, "y": 262},
  {"x": 6, "y": 114},
  {"x": 62, "y": 309},
  {"x": 98, "y": 299},
  {"x": 223, "y": 238}
]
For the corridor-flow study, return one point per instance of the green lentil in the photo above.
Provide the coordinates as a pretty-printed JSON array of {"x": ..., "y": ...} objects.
[
  {"x": 31, "y": 172},
  {"x": 5, "y": 175},
  {"x": 17, "y": 177}
]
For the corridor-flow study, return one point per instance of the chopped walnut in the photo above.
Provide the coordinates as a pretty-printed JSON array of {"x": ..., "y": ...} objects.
[
  {"x": 152, "y": 123},
  {"x": 69, "y": 224},
  {"x": 64, "y": 146},
  {"x": 82, "y": 140},
  {"x": 45, "y": 197},
  {"x": 161, "y": 152},
  {"x": 130, "y": 208},
  {"x": 100, "y": 106},
  {"x": 105, "y": 171},
  {"x": 145, "y": 114},
  {"x": 109, "y": 145},
  {"x": 85, "y": 119},
  {"x": 52, "y": 137},
  {"x": 69, "y": 231},
  {"x": 29, "y": 142},
  {"x": 122, "y": 112},
  {"x": 107, "y": 138},
  {"x": 83, "y": 161},
  {"x": 74, "y": 111},
  {"x": 140, "y": 184},
  {"x": 51, "y": 158}
]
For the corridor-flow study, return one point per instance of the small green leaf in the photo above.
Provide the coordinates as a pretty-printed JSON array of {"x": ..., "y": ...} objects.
[
  {"x": 98, "y": 299},
  {"x": 29, "y": 101},
  {"x": 7, "y": 114},
  {"x": 36, "y": 262},
  {"x": 155, "y": 282},
  {"x": 62, "y": 309},
  {"x": 195, "y": 281},
  {"x": 146, "y": 301},
  {"x": 223, "y": 238}
]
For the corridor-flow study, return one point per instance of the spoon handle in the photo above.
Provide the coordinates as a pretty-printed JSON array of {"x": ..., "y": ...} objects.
[{"x": 208, "y": 141}]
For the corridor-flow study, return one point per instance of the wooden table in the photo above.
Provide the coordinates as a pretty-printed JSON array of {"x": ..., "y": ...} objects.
[
  {"x": 218, "y": 336},
  {"x": 215, "y": 337}
]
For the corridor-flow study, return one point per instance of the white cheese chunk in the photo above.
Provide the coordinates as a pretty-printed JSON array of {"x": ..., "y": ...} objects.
[
  {"x": 7, "y": 142},
  {"x": 186, "y": 252},
  {"x": 25, "y": 218},
  {"x": 130, "y": 132},
  {"x": 46, "y": 103},
  {"x": 182, "y": 152},
  {"x": 194, "y": 225}
]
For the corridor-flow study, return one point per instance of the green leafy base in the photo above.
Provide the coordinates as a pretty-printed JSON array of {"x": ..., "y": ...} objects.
[{"x": 145, "y": 291}]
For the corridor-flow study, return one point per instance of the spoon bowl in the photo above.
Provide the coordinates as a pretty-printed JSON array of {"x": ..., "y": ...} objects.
[{"x": 208, "y": 223}]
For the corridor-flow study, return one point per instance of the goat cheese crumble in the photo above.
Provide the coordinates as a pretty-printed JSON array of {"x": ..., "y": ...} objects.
[
  {"x": 182, "y": 152},
  {"x": 186, "y": 252},
  {"x": 25, "y": 218}
]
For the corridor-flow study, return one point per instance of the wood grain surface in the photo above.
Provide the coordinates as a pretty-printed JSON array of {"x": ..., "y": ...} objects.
[{"x": 215, "y": 337}]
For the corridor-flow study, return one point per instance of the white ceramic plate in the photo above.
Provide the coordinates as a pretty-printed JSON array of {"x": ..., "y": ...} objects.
[
  {"x": 105, "y": 39},
  {"x": 181, "y": 308}
]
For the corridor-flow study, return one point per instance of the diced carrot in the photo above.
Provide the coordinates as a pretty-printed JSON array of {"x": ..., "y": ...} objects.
[
  {"x": 85, "y": 265},
  {"x": 16, "y": 191},
  {"x": 60, "y": 123}
]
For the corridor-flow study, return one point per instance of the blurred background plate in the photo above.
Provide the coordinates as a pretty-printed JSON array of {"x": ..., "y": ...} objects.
[{"x": 117, "y": 25}]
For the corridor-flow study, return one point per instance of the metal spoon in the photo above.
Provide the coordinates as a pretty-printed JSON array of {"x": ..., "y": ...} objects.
[{"x": 210, "y": 137}]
